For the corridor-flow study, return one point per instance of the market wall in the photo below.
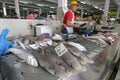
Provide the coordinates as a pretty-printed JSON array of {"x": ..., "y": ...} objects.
[{"x": 22, "y": 26}]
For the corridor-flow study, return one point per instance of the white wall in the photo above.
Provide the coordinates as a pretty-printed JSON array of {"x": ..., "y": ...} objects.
[
  {"x": 21, "y": 26},
  {"x": 17, "y": 26}
]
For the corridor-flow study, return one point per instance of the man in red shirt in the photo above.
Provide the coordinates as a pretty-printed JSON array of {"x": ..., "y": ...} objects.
[{"x": 69, "y": 17}]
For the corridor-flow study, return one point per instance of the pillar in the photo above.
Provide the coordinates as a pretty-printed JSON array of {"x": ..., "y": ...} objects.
[
  {"x": 4, "y": 9},
  {"x": 118, "y": 12},
  {"x": 62, "y": 8},
  {"x": 17, "y": 10},
  {"x": 40, "y": 11},
  {"x": 82, "y": 12},
  {"x": 62, "y": 3},
  {"x": 106, "y": 9}
]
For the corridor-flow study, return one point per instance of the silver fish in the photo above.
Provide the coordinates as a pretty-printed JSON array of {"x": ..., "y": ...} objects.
[
  {"x": 88, "y": 44},
  {"x": 25, "y": 55},
  {"x": 72, "y": 61},
  {"x": 58, "y": 60},
  {"x": 45, "y": 62},
  {"x": 73, "y": 50},
  {"x": 20, "y": 44},
  {"x": 81, "y": 56}
]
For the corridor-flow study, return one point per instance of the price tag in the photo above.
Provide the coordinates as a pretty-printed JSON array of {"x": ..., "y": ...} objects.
[{"x": 61, "y": 49}]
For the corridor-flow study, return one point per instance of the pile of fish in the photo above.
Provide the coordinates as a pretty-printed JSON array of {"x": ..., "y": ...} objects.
[
  {"x": 104, "y": 39},
  {"x": 40, "y": 52}
]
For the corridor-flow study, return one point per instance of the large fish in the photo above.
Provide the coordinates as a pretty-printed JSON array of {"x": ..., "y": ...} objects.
[
  {"x": 72, "y": 61},
  {"x": 24, "y": 55},
  {"x": 58, "y": 60},
  {"x": 82, "y": 57},
  {"x": 77, "y": 45},
  {"x": 45, "y": 62},
  {"x": 89, "y": 45}
]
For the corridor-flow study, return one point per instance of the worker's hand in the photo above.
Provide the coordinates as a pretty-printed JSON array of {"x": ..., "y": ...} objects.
[
  {"x": 76, "y": 25},
  {"x": 83, "y": 27},
  {"x": 4, "y": 43}
]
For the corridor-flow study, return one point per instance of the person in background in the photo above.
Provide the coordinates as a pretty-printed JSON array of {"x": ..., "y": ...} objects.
[
  {"x": 32, "y": 15},
  {"x": 69, "y": 17},
  {"x": 1, "y": 13},
  {"x": 15, "y": 15},
  {"x": 51, "y": 17}
]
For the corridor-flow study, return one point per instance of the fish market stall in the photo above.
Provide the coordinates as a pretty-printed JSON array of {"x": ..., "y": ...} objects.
[
  {"x": 14, "y": 68},
  {"x": 44, "y": 58}
]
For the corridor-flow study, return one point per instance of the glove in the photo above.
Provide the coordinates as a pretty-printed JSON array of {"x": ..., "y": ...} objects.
[{"x": 4, "y": 43}]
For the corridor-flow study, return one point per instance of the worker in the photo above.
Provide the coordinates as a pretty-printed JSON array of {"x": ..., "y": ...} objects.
[
  {"x": 69, "y": 17},
  {"x": 14, "y": 16},
  {"x": 4, "y": 43},
  {"x": 32, "y": 15}
]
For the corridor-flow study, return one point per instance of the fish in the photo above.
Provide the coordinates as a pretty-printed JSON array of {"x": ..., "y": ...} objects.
[
  {"x": 88, "y": 44},
  {"x": 20, "y": 44},
  {"x": 49, "y": 65},
  {"x": 81, "y": 56},
  {"x": 72, "y": 61},
  {"x": 58, "y": 60},
  {"x": 24, "y": 55},
  {"x": 77, "y": 45},
  {"x": 73, "y": 50}
]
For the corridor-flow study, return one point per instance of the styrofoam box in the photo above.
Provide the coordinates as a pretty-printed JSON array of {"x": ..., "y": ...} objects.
[{"x": 43, "y": 29}]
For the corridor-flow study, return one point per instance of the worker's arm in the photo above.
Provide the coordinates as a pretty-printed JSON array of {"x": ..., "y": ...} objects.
[
  {"x": 68, "y": 23},
  {"x": 82, "y": 19}
]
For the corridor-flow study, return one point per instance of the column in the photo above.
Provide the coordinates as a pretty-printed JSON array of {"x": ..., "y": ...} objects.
[
  {"x": 106, "y": 9},
  {"x": 40, "y": 11},
  {"x": 82, "y": 12},
  {"x": 62, "y": 8},
  {"x": 118, "y": 12},
  {"x": 4, "y": 9},
  {"x": 17, "y": 10},
  {"x": 62, "y": 3}
]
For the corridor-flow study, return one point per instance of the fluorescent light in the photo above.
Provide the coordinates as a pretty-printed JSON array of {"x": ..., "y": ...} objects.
[
  {"x": 96, "y": 7},
  {"x": 25, "y": 8},
  {"x": 35, "y": 9},
  {"x": 52, "y": 7},
  {"x": 85, "y": 13},
  {"x": 100, "y": 9},
  {"x": 83, "y": 2},
  {"x": 24, "y": 2},
  {"x": 50, "y": 11},
  {"x": 39, "y": 5},
  {"x": 11, "y": 7}
]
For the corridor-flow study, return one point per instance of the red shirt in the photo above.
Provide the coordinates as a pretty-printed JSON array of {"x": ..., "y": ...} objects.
[
  {"x": 30, "y": 16},
  {"x": 68, "y": 16}
]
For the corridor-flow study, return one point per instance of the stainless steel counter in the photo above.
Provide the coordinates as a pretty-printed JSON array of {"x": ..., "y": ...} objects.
[{"x": 14, "y": 69}]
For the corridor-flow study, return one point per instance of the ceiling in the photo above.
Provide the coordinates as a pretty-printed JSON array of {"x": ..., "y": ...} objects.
[{"x": 92, "y": 6}]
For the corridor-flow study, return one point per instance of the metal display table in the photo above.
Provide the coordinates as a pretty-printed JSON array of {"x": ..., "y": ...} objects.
[{"x": 13, "y": 68}]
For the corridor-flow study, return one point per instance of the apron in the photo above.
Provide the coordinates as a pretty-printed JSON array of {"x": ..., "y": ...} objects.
[{"x": 70, "y": 29}]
